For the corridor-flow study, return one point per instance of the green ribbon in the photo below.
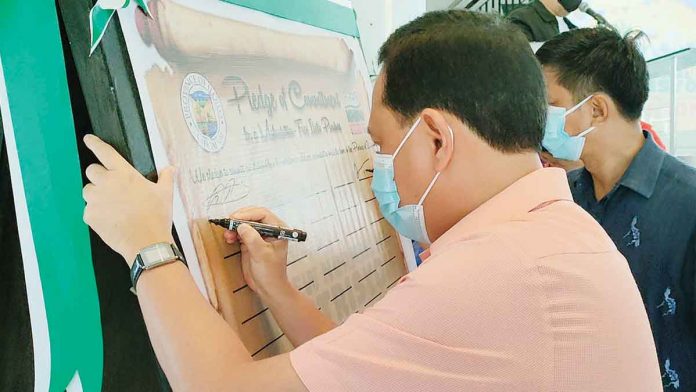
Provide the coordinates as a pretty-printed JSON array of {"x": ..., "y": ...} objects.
[
  {"x": 47, "y": 187},
  {"x": 324, "y": 14},
  {"x": 100, "y": 15}
]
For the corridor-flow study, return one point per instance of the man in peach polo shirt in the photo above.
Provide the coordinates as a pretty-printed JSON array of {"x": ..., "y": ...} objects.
[{"x": 521, "y": 290}]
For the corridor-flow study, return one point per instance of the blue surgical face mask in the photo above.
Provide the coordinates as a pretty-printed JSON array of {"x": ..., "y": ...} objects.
[
  {"x": 408, "y": 220},
  {"x": 556, "y": 139}
]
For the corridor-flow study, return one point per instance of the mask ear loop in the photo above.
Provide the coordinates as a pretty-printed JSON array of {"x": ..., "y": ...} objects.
[
  {"x": 408, "y": 134},
  {"x": 584, "y": 133},
  {"x": 576, "y": 107},
  {"x": 430, "y": 187},
  {"x": 432, "y": 183}
]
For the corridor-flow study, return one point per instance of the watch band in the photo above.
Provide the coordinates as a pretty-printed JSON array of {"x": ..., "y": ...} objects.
[
  {"x": 136, "y": 270},
  {"x": 139, "y": 264}
]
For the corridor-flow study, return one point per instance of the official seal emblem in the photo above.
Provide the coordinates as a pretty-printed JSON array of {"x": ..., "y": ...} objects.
[{"x": 203, "y": 113}]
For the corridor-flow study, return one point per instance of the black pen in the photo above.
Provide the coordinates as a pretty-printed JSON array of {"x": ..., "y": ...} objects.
[{"x": 270, "y": 231}]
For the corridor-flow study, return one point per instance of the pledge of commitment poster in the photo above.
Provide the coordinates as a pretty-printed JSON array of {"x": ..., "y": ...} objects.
[{"x": 255, "y": 110}]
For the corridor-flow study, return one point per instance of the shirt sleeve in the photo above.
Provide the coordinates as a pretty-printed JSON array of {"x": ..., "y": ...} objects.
[
  {"x": 524, "y": 27},
  {"x": 518, "y": 21}
]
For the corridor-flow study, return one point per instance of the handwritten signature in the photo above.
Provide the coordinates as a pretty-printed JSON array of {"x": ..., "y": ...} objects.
[
  {"x": 364, "y": 170},
  {"x": 227, "y": 192}
]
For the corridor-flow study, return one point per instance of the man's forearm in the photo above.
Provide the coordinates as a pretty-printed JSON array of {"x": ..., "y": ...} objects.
[
  {"x": 296, "y": 314},
  {"x": 194, "y": 345}
]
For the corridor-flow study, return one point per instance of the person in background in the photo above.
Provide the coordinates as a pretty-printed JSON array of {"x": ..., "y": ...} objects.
[
  {"x": 537, "y": 20},
  {"x": 656, "y": 138},
  {"x": 644, "y": 198}
]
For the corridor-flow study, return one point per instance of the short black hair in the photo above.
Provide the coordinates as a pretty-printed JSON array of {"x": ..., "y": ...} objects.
[
  {"x": 478, "y": 67},
  {"x": 592, "y": 60}
]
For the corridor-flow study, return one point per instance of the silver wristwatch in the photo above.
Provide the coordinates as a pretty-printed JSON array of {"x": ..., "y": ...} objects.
[{"x": 153, "y": 256}]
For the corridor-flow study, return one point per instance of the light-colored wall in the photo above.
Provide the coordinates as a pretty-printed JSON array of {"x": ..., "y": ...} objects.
[{"x": 377, "y": 19}]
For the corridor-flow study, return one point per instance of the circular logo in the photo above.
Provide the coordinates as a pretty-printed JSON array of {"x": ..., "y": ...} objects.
[{"x": 203, "y": 113}]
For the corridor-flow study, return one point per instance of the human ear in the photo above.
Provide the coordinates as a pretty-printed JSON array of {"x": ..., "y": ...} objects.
[
  {"x": 601, "y": 106},
  {"x": 440, "y": 136}
]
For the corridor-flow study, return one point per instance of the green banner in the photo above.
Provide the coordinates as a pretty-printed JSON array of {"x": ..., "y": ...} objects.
[
  {"x": 324, "y": 14},
  {"x": 47, "y": 184}
]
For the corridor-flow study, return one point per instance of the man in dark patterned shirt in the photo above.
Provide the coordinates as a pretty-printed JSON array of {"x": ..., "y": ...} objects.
[{"x": 643, "y": 197}]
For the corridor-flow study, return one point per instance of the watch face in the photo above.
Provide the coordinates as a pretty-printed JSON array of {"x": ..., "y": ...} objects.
[{"x": 157, "y": 254}]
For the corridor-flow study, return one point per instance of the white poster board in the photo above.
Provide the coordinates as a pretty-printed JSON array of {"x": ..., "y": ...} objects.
[{"x": 257, "y": 110}]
